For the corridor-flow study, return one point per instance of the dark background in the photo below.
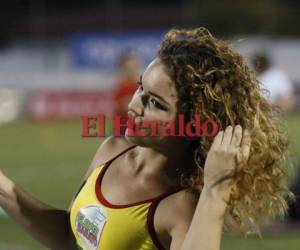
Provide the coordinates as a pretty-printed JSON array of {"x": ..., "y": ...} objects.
[{"x": 27, "y": 18}]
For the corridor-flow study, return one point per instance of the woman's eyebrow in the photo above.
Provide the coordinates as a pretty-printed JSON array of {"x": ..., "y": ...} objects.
[{"x": 156, "y": 95}]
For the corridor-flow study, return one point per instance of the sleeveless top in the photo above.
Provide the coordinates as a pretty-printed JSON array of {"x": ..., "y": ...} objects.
[{"x": 98, "y": 224}]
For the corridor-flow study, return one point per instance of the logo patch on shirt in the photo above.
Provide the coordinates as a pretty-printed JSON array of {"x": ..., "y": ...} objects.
[{"x": 89, "y": 223}]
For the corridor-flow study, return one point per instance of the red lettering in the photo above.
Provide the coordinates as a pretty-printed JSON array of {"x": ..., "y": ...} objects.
[
  {"x": 193, "y": 128},
  {"x": 86, "y": 125},
  {"x": 214, "y": 128},
  {"x": 101, "y": 129},
  {"x": 181, "y": 125},
  {"x": 154, "y": 127},
  {"x": 138, "y": 127},
  {"x": 118, "y": 124},
  {"x": 169, "y": 130},
  {"x": 196, "y": 124},
  {"x": 129, "y": 125}
]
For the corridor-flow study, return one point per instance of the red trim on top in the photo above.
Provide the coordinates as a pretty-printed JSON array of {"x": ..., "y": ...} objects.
[
  {"x": 154, "y": 201},
  {"x": 100, "y": 195},
  {"x": 98, "y": 190},
  {"x": 150, "y": 219}
]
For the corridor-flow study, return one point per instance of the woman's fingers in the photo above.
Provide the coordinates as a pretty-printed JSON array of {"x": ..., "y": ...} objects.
[
  {"x": 237, "y": 136},
  {"x": 246, "y": 143},
  {"x": 229, "y": 148},
  {"x": 217, "y": 140},
  {"x": 244, "y": 151},
  {"x": 227, "y": 136},
  {"x": 232, "y": 136}
]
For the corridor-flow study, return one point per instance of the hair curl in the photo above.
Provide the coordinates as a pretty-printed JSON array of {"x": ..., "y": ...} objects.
[{"x": 215, "y": 82}]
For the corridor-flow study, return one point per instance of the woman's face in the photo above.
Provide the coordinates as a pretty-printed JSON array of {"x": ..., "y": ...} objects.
[{"x": 154, "y": 100}]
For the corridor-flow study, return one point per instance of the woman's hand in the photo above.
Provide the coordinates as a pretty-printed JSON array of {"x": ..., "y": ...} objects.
[
  {"x": 229, "y": 151},
  {"x": 6, "y": 187}
]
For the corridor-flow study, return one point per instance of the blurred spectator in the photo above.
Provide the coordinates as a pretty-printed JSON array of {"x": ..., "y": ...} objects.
[
  {"x": 129, "y": 70},
  {"x": 275, "y": 81},
  {"x": 294, "y": 207},
  {"x": 11, "y": 102}
]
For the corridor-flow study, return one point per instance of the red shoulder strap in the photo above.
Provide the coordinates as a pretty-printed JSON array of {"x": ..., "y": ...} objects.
[{"x": 150, "y": 217}]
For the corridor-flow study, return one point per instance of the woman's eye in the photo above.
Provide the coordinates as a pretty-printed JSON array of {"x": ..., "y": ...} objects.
[{"x": 156, "y": 103}]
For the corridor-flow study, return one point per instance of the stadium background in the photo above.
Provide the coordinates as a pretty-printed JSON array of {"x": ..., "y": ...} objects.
[{"x": 58, "y": 61}]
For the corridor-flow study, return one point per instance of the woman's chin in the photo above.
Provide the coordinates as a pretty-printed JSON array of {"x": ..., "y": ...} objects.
[
  {"x": 141, "y": 141},
  {"x": 144, "y": 141}
]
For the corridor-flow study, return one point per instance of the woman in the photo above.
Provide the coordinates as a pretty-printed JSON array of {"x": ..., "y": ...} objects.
[{"x": 173, "y": 192}]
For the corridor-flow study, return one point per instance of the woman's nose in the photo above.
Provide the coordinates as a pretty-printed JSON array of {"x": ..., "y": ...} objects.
[{"x": 136, "y": 105}]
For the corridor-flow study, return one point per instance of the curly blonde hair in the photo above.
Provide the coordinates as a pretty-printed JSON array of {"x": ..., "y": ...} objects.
[{"x": 214, "y": 81}]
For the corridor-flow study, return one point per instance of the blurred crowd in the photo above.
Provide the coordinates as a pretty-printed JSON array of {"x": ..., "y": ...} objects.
[{"x": 280, "y": 89}]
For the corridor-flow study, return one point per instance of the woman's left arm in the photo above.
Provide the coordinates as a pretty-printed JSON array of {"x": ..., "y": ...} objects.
[
  {"x": 205, "y": 230},
  {"x": 230, "y": 148}
]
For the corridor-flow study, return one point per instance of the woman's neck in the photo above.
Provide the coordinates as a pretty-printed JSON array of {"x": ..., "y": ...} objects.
[{"x": 150, "y": 163}]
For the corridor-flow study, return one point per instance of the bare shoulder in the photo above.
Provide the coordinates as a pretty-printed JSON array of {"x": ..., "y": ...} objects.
[
  {"x": 181, "y": 204},
  {"x": 110, "y": 147}
]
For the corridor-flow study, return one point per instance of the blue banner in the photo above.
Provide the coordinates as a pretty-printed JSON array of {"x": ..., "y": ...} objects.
[{"x": 102, "y": 50}]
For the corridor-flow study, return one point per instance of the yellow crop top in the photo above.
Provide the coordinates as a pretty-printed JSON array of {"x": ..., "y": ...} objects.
[{"x": 98, "y": 224}]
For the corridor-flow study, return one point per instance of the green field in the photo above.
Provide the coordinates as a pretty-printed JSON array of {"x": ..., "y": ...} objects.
[{"x": 49, "y": 159}]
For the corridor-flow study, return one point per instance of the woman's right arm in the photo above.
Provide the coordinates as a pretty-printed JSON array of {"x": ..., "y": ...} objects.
[
  {"x": 46, "y": 224},
  {"x": 50, "y": 226}
]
